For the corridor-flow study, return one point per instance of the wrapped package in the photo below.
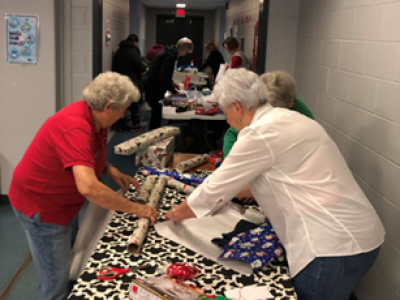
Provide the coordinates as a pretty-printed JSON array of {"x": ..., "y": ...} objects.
[
  {"x": 180, "y": 186},
  {"x": 139, "y": 234},
  {"x": 143, "y": 194},
  {"x": 157, "y": 155},
  {"x": 192, "y": 162},
  {"x": 183, "y": 177},
  {"x": 145, "y": 140}
]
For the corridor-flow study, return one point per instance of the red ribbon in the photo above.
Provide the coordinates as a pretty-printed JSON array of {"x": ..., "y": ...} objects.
[{"x": 182, "y": 272}]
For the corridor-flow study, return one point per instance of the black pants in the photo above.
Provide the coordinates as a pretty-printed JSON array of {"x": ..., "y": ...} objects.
[
  {"x": 156, "y": 108},
  {"x": 134, "y": 113}
]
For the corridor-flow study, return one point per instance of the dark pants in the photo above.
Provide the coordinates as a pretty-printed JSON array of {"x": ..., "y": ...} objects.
[
  {"x": 153, "y": 98},
  {"x": 332, "y": 278},
  {"x": 134, "y": 113}
]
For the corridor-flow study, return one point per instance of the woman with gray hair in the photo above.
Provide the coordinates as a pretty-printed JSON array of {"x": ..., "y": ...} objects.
[
  {"x": 158, "y": 79},
  {"x": 282, "y": 92},
  {"x": 329, "y": 229},
  {"x": 60, "y": 169}
]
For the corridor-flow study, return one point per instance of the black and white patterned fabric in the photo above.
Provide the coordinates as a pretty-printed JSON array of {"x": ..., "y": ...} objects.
[{"x": 214, "y": 278}]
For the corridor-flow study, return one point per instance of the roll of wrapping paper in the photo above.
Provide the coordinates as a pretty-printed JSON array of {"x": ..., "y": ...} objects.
[
  {"x": 193, "y": 162},
  {"x": 180, "y": 186},
  {"x": 145, "y": 140},
  {"x": 139, "y": 234},
  {"x": 144, "y": 191},
  {"x": 185, "y": 178}
]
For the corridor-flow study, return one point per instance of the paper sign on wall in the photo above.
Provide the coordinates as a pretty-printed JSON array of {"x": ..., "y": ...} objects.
[{"x": 22, "y": 33}]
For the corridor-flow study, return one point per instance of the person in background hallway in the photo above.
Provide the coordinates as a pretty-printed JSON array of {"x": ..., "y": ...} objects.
[
  {"x": 128, "y": 61},
  {"x": 153, "y": 52},
  {"x": 158, "y": 79},
  {"x": 239, "y": 59},
  {"x": 60, "y": 169},
  {"x": 214, "y": 59},
  {"x": 330, "y": 231},
  {"x": 281, "y": 93}
]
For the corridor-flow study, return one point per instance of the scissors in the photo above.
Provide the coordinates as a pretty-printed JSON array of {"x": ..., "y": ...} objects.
[{"x": 110, "y": 273}]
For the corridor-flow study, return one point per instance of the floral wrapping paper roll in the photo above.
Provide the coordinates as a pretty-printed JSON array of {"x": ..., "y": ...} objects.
[
  {"x": 145, "y": 140},
  {"x": 144, "y": 191},
  {"x": 180, "y": 186},
  {"x": 193, "y": 162},
  {"x": 139, "y": 234},
  {"x": 157, "y": 155}
]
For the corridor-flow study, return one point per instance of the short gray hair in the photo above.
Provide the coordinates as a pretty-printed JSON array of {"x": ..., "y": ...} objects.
[
  {"x": 186, "y": 43},
  {"x": 110, "y": 87},
  {"x": 281, "y": 88},
  {"x": 242, "y": 86}
]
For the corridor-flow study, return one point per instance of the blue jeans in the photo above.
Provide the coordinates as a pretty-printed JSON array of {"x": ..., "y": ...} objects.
[
  {"x": 332, "y": 278},
  {"x": 50, "y": 247}
]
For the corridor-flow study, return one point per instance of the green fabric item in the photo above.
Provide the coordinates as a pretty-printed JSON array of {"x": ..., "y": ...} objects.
[
  {"x": 229, "y": 139},
  {"x": 231, "y": 134},
  {"x": 302, "y": 108}
]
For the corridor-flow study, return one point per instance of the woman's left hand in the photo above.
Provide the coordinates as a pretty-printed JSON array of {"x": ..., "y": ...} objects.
[
  {"x": 179, "y": 213},
  {"x": 123, "y": 180}
]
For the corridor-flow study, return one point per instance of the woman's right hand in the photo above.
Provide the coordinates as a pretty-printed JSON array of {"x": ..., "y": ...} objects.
[{"x": 146, "y": 212}]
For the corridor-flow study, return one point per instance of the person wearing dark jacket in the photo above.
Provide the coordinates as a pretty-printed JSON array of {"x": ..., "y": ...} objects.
[
  {"x": 151, "y": 55},
  {"x": 214, "y": 59},
  {"x": 128, "y": 61},
  {"x": 158, "y": 79}
]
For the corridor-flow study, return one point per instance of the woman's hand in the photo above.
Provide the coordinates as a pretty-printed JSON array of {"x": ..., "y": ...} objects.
[
  {"x": 176, "y": 85},
  {"x": 179, "y": 213},
  {"x": 146, "y": 212},
  {"x": 123, "y": 180}
]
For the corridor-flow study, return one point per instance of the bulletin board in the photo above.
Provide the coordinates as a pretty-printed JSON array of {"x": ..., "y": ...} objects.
[{"x": 22, "y": 34}]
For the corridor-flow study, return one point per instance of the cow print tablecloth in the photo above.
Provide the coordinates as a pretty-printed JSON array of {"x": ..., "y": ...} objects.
[{"x": 215, "y": 279}]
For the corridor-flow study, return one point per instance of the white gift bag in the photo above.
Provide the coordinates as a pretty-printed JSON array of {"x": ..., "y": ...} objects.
[{"x": 221, "y": 72}]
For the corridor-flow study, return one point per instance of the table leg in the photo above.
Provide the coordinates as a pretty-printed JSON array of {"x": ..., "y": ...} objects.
[{"x": 206, "y": 135}]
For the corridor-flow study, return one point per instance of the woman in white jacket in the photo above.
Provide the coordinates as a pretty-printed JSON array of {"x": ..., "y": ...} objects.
[{"x": 328, "y": 227}]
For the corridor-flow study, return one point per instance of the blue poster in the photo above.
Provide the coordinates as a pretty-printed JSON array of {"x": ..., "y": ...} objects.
[{"x": 22, "y": 38}]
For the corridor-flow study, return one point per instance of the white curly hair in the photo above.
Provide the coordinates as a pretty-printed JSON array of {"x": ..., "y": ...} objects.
[
  {"x": 110, "y": 87},
  {"x": 242, "y": 86}
]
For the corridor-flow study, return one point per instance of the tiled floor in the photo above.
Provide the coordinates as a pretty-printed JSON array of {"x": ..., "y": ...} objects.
[{"x": 14, "y": 246}]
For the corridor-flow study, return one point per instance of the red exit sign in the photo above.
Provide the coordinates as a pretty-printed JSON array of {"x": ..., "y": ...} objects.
[{"x": 180, "y": 13}]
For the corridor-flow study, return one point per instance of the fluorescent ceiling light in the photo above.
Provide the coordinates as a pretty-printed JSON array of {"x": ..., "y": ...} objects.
[{"x": 181, "y": 5}]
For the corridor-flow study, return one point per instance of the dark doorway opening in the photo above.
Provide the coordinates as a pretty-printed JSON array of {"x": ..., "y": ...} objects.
[{"x": 171, "y": 29}]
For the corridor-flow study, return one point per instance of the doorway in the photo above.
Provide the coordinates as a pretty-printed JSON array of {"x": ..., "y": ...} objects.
[{"x": 171, "y": 29}]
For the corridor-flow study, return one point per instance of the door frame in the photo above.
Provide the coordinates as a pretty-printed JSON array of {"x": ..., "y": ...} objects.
[{"x": 263, "y": 18}]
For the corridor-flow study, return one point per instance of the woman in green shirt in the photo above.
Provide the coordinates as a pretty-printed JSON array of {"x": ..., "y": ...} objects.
[{"x": 281, "y": 93}]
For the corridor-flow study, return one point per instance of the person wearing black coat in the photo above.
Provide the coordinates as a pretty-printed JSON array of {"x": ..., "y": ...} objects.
[
  {"x": 159, "y": 78},
  {"x": 214, "y": 59},
  {"x": 128, "y": 61}
]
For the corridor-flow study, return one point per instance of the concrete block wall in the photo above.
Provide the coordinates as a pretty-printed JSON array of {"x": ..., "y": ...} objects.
[
  {"x": 348, "y": 73},
  {"x": 27, "y": 92},
  {"x": 81, "y": 46},
  {"x": 282, "y": 35},
  {"x": 116, "y": 19},
  {"x": 238, "y": 10}
]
